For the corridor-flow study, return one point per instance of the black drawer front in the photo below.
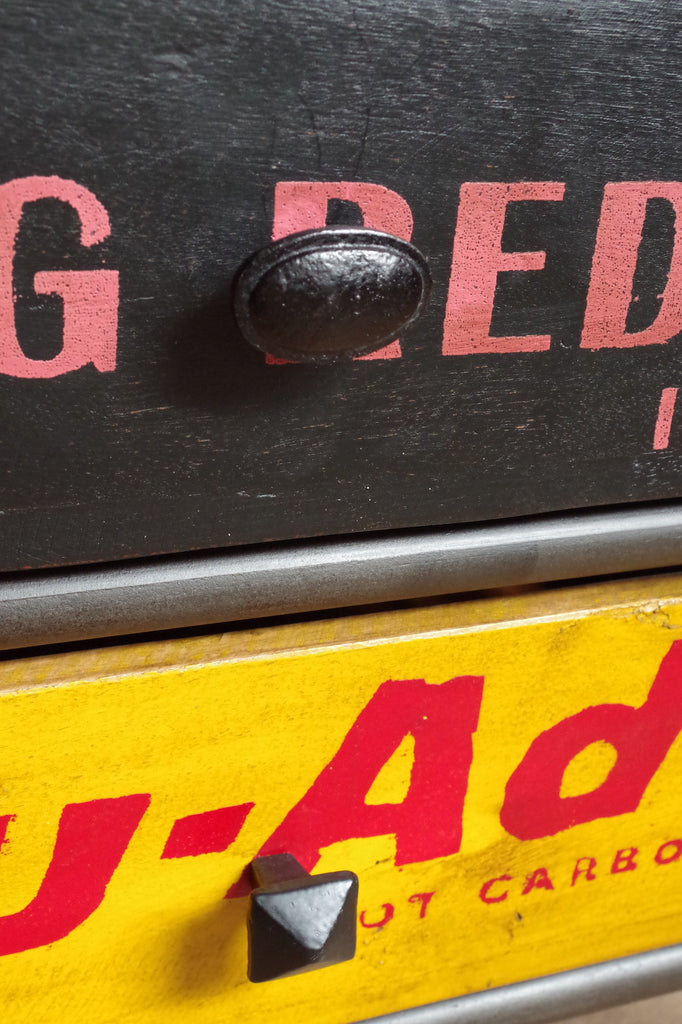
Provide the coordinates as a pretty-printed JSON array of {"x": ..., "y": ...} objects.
[{"x": 151, "y": 148}]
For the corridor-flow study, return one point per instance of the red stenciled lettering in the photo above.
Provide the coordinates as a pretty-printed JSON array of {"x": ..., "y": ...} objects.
[
  {"x": 584, "y": 866},
  {"x": 428, "y": 823},
  {"x": 389, "y": 911},
  {"x": 302, "y": 205},
  {"x": 4, "y": 822},
  {"x": 423, "y": 899},
  {"x": 613, "y": 268},
  {"x": 208, "y": 832},
  {"x": 664, "y": 419},
  {"x": 533, "y": 806},
  {"x": 90, "y": 297},
  {"x": 484, "y": 894},
  {"x": 538, "y": 879},
  {"x": 91, "y": 839},
  {"x": 477, "y": 259},
  {"x": 625, "y": 860},
  {"x": 669, "y": 858}
]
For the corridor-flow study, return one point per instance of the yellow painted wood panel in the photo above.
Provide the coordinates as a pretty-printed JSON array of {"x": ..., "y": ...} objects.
[{"x": 108, "y": 755}]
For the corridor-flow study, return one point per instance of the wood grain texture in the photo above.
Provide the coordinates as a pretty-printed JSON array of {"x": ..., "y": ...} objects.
[{"x": 181, "y": 119}]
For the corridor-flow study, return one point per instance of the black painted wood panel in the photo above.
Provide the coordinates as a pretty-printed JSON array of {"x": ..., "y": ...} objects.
[{"x": 181, "y": 118}]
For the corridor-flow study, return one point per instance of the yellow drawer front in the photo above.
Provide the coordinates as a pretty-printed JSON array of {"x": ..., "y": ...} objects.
[{"x": 503, "y": 775}]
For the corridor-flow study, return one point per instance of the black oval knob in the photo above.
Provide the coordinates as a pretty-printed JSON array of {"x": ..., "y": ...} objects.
[{"x": 330, "y": 293}]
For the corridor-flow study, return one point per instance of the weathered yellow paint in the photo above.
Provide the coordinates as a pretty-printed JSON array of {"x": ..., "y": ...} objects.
[{"x": 255, "y": 716}]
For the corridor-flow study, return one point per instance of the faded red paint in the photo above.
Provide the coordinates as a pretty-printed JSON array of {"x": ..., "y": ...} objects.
[
  {"x": 477, "y": 258},
  {"x": 664, "y": 420},
  {"x": 90, "y": 297},
  {"x": 613, "y": 268},
  {"x": 302, "y": 205}
]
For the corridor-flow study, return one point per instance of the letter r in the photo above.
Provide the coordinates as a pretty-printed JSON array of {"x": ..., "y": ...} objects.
[{"x": 302, "y": 205}]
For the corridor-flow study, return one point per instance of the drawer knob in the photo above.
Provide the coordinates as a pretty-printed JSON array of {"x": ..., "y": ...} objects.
[
  {"x": 298, "y": 922},
  {"x": 335, "y": 292}
]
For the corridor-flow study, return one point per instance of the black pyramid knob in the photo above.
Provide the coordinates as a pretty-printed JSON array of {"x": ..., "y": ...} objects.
[
  {"x": 334, "y": 292},
  {"x": 298, "y": 922}
]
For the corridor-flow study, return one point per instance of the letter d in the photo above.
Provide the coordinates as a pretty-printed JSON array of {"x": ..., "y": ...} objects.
[{"x": 533, "y": 806}]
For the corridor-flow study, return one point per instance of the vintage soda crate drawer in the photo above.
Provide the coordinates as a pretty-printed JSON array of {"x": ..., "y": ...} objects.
[
  {"x": 528, "y": 149},
  {"x": 501, "y": 775}
]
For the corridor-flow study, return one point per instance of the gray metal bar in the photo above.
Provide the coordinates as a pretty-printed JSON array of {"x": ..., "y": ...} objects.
[
  {"x": 94, "y": 602},
  {"x": 558, "y": 996}
]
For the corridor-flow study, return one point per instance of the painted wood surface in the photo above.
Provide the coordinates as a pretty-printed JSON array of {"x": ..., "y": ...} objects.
[
  {"x": 530, "y": 150},
  {"x": 502, "y": 775}
]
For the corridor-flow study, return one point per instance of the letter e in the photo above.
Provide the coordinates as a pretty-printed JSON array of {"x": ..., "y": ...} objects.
[{"x": 477, "y": 258}]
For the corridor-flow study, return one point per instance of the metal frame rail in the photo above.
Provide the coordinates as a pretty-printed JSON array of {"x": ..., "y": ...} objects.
[{"x": 93, "y": 602}]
